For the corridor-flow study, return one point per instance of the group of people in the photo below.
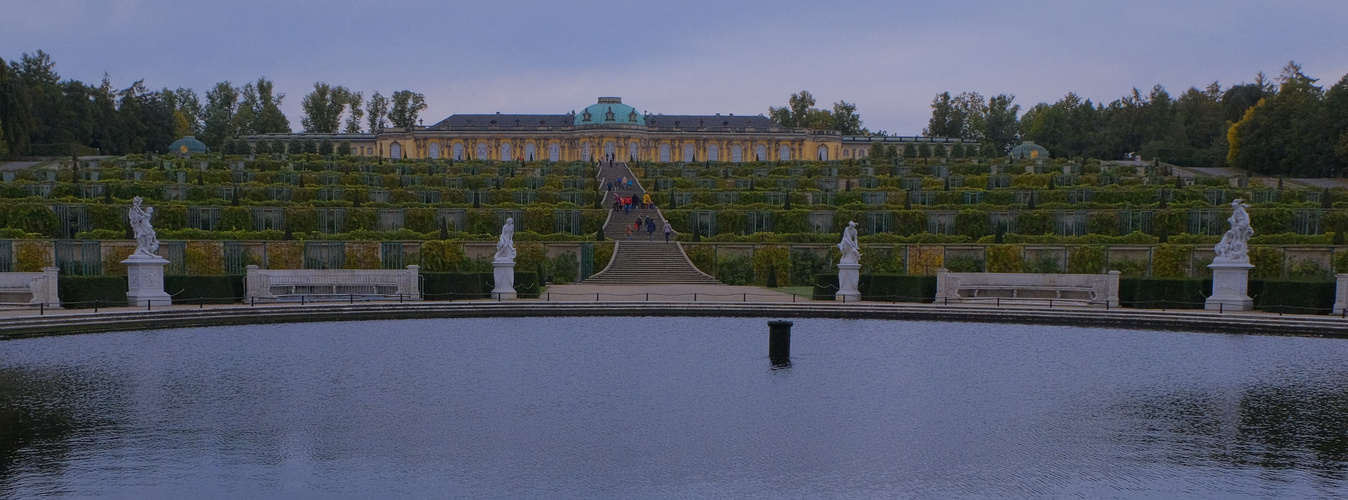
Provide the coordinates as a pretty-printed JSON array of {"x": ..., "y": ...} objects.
[
  {"x": 627, "y": 203},
  {"x": 649, "y": 224}
]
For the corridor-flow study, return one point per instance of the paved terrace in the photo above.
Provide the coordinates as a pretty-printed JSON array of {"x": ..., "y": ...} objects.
[{"x": 18, "y": 323}]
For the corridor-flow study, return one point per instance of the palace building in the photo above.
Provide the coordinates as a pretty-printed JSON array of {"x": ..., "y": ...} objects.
[{"x": 611, "y": 128}]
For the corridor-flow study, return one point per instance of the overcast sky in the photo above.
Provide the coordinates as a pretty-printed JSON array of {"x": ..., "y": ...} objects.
[{"x": 684, "y": 57}]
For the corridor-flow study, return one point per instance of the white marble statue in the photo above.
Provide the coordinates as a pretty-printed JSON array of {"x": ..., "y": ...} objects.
[
  {"x": 505, "y": 247},
  {"x": 146, "y": 242},
  {"x": 851, "y": 252},
  {"x": 1233, "y": 247}
]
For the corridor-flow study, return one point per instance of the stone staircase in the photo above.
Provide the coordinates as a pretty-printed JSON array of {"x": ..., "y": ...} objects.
[
  {"x": 639, "y": 261},
  {"x": 646, "y": 263}
]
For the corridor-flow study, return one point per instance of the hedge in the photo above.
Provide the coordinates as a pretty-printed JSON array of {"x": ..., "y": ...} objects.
[
  {"x": 461, "y": 286},
  {"x": 881, "y": 287}
]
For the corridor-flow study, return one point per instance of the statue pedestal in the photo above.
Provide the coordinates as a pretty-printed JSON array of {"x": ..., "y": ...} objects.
[
  {"x": 1230, "y": 287},
  {"x": 848, "y": 277},
  {"x": 505, "y": 280},
  {"x": 145, "y": 281}
]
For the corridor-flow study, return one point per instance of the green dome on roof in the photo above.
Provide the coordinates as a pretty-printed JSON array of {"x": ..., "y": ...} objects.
[
  {"x": 187, "y": 146},
  {"x": 610, "y": 111},
  {"x": 1029, "y": 149}
]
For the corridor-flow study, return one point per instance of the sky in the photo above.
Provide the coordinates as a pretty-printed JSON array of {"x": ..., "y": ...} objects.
[{"x": 890, "y": 58}]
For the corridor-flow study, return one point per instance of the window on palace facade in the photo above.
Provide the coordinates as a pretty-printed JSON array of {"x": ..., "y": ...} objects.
[
  {"x": 736, "y": 154},
  {"x": 481, "y": 152},
  {"x": 585, "y": 150},
  {"x": 610, "y": 148},
  {"x": 688, "y": 152},
  {"x": 434, "y": 151},
  {"x": 554, "y": 152},
  {"x": 458, "y": 151},
  {"x": 761, "y": 153},
  {"x": 529, "y": 151},
  {"x": 507, "y": 152},
  {"x": 784, "y": 154},
  {"x": 823, "y": 153},
  {"x": 713, "y": 153},
  {"x": 395, "y": 151},
  {"x": 632, "y": 150},
  {"x": 664, "y": 153}
]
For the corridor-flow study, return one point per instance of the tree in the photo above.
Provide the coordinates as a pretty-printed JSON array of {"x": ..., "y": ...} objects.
[
  {"x": 323, "y": 108},
  {"x": 218, "y": 116},
  {"x": 344, "y": 148},
  {"x": 1287, "y": 134},
  {"x": 946, "y": 120},
  {"x": 376, "y": 110},
  {"x": 406, "y": 105},
  {"x": 354, "y": 113},
  {"x": 845, "y": 118},
  {"x": 325, "y": 147},
  {"x": 184, "y": 102},
  {"x": 269, "y": 118},
  {"x": 4, "y": 145}
]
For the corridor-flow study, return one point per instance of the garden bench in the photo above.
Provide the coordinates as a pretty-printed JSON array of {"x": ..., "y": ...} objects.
[
  {"x": 332, "y": 284},
  {"x": 30, "y": 289},
  {"x": 1097, "y": 290}
]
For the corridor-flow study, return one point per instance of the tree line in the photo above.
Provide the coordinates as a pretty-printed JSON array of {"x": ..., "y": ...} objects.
[
  {"x": 42, "y": 114},
  {"x": 1284, "y": 127}
]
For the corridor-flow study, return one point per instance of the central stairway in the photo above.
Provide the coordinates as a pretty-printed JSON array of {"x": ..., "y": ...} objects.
[
  {"x": 639, "y": 261},
  {"x": 648, "y": 263}
]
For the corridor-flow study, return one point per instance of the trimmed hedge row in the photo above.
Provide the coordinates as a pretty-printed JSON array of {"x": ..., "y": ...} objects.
[
  {"x": 1299, "y": 297},
  {"x": 84, "y": 292}
]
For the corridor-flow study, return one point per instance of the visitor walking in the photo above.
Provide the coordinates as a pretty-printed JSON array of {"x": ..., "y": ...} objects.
[
  {"x": 646, "y": 200},
  {"x": 668, "y": 230},
  {"x": 650, "y": 228}
]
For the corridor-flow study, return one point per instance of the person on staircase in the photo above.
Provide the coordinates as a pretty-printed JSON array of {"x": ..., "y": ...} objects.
[
  {"x": 650, "y": 228},
  {"x": 668, "y": 230},
  {"x": 646, "y": 200}
]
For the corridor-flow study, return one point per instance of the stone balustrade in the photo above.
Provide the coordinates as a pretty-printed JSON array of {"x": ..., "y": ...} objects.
[
  {"x": 332, "y": 284},
  {"x": 30, "y": 288},
  {"x": 1098, "y": 290}
]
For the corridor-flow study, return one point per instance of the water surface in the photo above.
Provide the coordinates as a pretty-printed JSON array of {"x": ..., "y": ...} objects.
[{"x": 671, "y": 407}]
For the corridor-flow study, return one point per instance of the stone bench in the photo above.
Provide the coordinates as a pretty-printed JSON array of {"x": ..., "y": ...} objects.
[
  {"x": 1097, "y": 290},
  {"x": 30, "y": 289},
  {"x": 332, "y": 284}
]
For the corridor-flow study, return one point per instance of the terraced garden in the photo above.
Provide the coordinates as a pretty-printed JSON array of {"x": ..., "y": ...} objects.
[{"x": 764, "y": 223}]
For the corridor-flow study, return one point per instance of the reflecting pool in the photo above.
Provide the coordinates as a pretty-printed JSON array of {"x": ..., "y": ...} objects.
[{"x": 671, "y": 407}]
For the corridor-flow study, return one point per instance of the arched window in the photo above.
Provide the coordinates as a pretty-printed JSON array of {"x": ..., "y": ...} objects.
[
  {"x": 554, "y": 152},
  {"x": 823, "y": 153},
  {"x": 585, "y": 151},
  {"x": 506, "y": 152},
  {"x": 481, "y": 151},
  {"x": 761, "y": 153},
  {"x": 395, "y": 151},
  {"x": 664, "y": 152},
  {"x": 632, "y": 150},
  {"x": 458, "y": 151},
  {"x": 434, "y": 151},
  {"x": 736, "y": 153},
  {"x": 529, "y": 151},
  {"x": 688, "y": 152},
  {"x": 713, "y": 153},
  {"x": 610, "y": 148},
  {"x": 784, "y": 154}
]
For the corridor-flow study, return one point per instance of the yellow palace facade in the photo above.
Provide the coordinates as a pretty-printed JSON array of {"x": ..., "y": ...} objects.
[{"x": 609, "y": 128}]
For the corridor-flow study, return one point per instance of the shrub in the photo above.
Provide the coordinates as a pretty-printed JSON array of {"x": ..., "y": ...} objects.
[
  {"x": 964, "y": 264},
  {"x": 774, "y": 260},
  {"x": 1044, "y": 264},
  {"x": 603, "y": 252},
  {"x": 1298, "y": 297},
  {"x": 1268, "y": 263},
  {"x": 1307, "y": 270},
  {"x": 1086, "y": 260},
  {"x": 443, "y": 256},
  {"x": 564, "y": 268},
  {"x": 1130, "y": 268},
  {"x": 285, "y": 255},
  {"x": 362, "y": 255},
  {"x": 925, "y": 260},
  {"x": 207, "y": 289},
  {"x": 736, "y": 270},
  {"x": 805, "y": 264},
  {"x": 1171, "y": 261},
  {"x": 203, "y": 258},
  {"x": 1163, "y": 293},
  {"x": 703, "y": 258},
  {"x": 1006, "y": 258},
  {"x": 31, "y": 256}
]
